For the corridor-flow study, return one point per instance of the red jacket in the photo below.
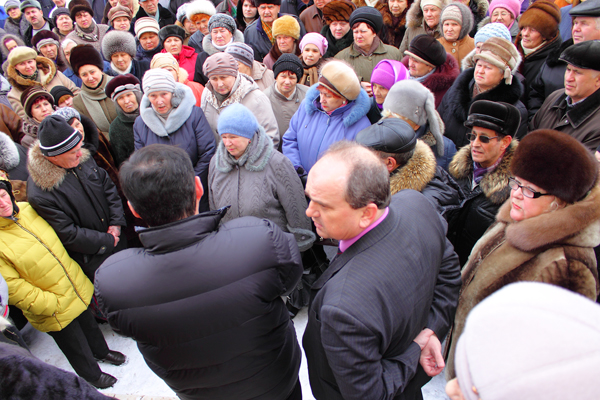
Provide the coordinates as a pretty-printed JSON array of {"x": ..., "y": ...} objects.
[{"x": 186, "y": 59}]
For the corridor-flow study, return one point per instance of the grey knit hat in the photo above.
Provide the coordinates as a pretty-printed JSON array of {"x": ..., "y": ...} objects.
[
  {"x": 222, "y": 21},
  {"x": 158, "y": 80},
  {"x": 12, "y": 4},
  {"x": 241, "y": 52},
  {"x": 68, "y": 113},
  {"x": 459, "y": 13},
  {"x": 57, "y": 136},
  {"x": 117, "y": 42}
]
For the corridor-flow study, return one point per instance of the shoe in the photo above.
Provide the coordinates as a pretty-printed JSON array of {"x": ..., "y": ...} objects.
[
  {"x": 104, "y": 382},
  {"x": 114, "y": 358}
]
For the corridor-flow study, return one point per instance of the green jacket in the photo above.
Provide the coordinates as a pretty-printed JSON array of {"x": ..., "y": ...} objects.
[{"x": 364, "y": 65}]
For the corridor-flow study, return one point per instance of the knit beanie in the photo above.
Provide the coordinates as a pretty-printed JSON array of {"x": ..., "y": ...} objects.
[
  {"x": 288, "y": 62},
  {"x": 427, "y": 49},
  {"x": 12, "y": 4},
  {"x": 85, "y": 54},
  {"x": 30, "y": 3},
  {"x": 76, "y": 6},
  {"x": 118, "y": 42},
  {"x": 222, "y": 21},
  {"x": 338, "y": 10},
  {"x": 57, "y": 136},
  {"x": 162, "y": 60},
  {"x": 43, "y": 38},
  {"x": 20, "y": 54},
  {"x": 158, "y": 80},
  {"x": 199, "y": 8},
  {"x": 59, "y": 91},
  {"x": 543, "y": 16},
  {"x": 220, "y": 64},
  {"x": 119, "y": 11},
  {"x": 494, "y": 29},
  {"x": 182, "y": 13},
  {"x": 530, "y": 340},
  {"x": 557, "y": 163},
  {"x": 369, "y": 15},
  {"x": 241, "y": 52},
  {"x": 58, "y": 12},
  {"x": 388, "y": 72},
  {"x": 341, "y": 79},
  {"x": 501, "y": 53},
  {"x": 68, "y": 113},
  {"x": 438, "y": 3},
  {"x": 171, "y": 31},
  {"x": 31, "y": 94},
  {"x": 275, "y": 2},
  {"x": 460, "y": 14},
  {"x": 512, "y": 6},
  {"x": 122, "y": 84},
  {"x": 238, "y": 120},
  {"x": 145, "y": 24},
  {"x": 287, "y": 26},
  {"x": 315, "y": 39}
]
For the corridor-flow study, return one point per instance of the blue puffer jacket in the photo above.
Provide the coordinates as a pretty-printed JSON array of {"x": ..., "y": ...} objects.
[
  {"x": 186, "y": 127},
  {"x": 312, "y": 131}
]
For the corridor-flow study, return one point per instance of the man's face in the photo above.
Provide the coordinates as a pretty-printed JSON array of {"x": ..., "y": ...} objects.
[
  {"x": 417, "y": 68},
  {"x": 68, "y": 160},
  {"x": 14, "y": 12},
  {"x": 451, "y": 30},
  {"x": 83, "y": 19},
  {"x": 149, "y": 40},
  {"x": 268, "y": 13},
  {"x": 35, "y": 17},
  {"x": 321, "y": 3},
  {"x": 339, "y": 29},
  {"x": 49, "y": 50},
  {"x": 581, "y": 83},
  {"x": 60, "y": 3},
  {"x": 328, "y": 208},
  {"x": 432, "y": 14},
  {"x": 150, "y": 6},
  {"x": 6, "y": 206},
  {"x": 67, "y": 51},
  {"x": 487, "y": 154},
  {"x": 121, "y": 23},
  {"x": 64, "y": 23},
  {"x": 585, "y": 28}
]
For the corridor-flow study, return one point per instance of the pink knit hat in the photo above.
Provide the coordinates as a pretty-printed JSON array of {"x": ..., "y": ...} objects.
[
  {"x": 388, "y": 72},
  {"x": 316, "y": 39},
  {"x": 513, "y": 6}
]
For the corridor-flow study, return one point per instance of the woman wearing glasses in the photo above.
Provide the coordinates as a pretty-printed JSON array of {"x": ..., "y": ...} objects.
[{"x": 545, "y": 232}]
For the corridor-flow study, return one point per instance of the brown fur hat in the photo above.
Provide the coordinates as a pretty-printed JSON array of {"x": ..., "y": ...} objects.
[
  {"x": 543, "y": 16},
  {"x": 557, "y": 163},
  {"x": 85, "y": 54},
  {"x": 338, "y": 10}
]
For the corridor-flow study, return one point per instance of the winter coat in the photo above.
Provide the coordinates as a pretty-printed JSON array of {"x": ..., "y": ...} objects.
[
  {"x": 165, "y": 17},
  {"x": 334, "y": 45},
  {"x": 209, "y": 319},
  {"x": 312, "y": 130},
  {"x": 209, "y": 50},
  {"x": 146, "y": 55},
  {"x": 394, "y": 27},
  {"x": 121, "y": 137},
  {"x": 363, "y": 66},
  {"x": 69, "y": 73},
  {"x": 262, "y": 76},
  {"x": 459, "y": 49},
  {"x": 532, "y": 63},
  {"x": 262, "y": 183},
  {"x": 79, "y": 203},
  {"x": 138, "y": 69},
  {"x": 43, "y": 281},
  {"x": 186, "y": 59},
  {"x": 255, "y": 37},
  {"x": 554, "y": 248},
  {"x": 97, "y": 44},
  {"x": 16, "y": 28},
  {"x": 195, "y": 41},
  {"x": 312, "y": 18},
  {"x": 11, "y": 124},
  {"x": 48, "y": 77},
  {"x": 245, "y": 92},
  {"x": 454, "y": 108},
  {"x": 284, "y": 108},
  {"x": 479, "y": 9},
  {"x": 186, "y": 127},
  {"x": 468, "y": 222},
  {"x": 13, "y": 158},
  {"x": 415, "y": 25},
  {"x": 441, "y": 79},
  {"x": 580, "y": 121},
  {"x": 28, "y": 36},
  {"x": 92, "y": 96},
  {"x": 424, "y": 133}
]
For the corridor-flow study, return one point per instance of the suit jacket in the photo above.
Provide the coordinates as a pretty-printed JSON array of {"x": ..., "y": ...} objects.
[{"x": 375, "y": 298}]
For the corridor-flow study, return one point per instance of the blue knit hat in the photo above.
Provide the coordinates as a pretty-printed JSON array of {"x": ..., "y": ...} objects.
[
  {"x": 494, "y": 29},
  {"x": 237, "y": 120}
]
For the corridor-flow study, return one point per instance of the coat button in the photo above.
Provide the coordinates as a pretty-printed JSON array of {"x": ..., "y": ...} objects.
[
  {"x": 454, "y": 50},
  {"x": 454, "y": 44}
]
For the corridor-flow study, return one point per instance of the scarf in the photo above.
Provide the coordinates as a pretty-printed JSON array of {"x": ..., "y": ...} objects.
[
  {"x": 221, "y": 48},
  {"x": 163, "y": 117},
  {"x": 479, "y": 171},
  {"x": 91, "y": 100},
  {"x": 276, "y": 53},
  {"x": 33, "y": 77},
  {"x": 121, "y": 72},
  {"x": 311, "y": 74},
  {"x": 268, "y": 31},
  {"x": 374, "y": 47},
  {"x": 527, "y": 52},
  {"x": 89, "y": 34},
  {"x": 232, "y": 9},
  {"x": 422, "y": 78}
]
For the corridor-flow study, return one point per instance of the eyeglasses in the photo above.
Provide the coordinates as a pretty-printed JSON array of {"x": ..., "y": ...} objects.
[
  {"x": 527, "y": 192},
  {"x": 482, "y": 138}
]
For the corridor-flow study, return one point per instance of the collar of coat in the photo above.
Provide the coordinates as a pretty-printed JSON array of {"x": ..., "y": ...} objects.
[
  {"x": 576, "y": 224},
  {"x": 210, "y": 49},
  {"x": 44, "y": 174},
  {"x": 184, "y": 101},
  {"x": 358, "y": 108},
  {"x": 578, "y": 114},
  {"x": 255, "y": 158},
  {"x": 417, "y": 172},
  {"x": 243, "y": 85},
  {"x": 494, "y": 184},
  {"x": 47, "y": 71}
]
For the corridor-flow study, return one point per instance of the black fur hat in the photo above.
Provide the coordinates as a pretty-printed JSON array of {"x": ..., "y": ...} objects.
[
  {"x": 85, "y": 54},
  {"x": 171, "y": 30},
  {"x": 76, "y": 6},
  {"x": 502, "y": 118}
]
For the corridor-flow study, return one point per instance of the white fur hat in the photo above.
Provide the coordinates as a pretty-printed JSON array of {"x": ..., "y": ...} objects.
[{"x": 200, "y": 7}]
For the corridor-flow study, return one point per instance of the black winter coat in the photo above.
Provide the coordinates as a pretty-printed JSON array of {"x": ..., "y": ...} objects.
[
  {"x": 203, "y": 302},
  {"x": 29, "y": 32},
  {"x": 454, "y": 108},
  {"x": 532, "y": 64},
  {"x": 165, "y": 17}
]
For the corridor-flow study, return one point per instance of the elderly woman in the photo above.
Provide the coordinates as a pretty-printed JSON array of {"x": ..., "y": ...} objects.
[
  {"x": 146, "y": 32},
  {"x": 491, "y": 79},
  {"x": 384, "y": 76},
  {"x": 168, "y": 116},
  {"x": 504, "y": 12},
  {"x": 423, "y": 17},
  {"x": 367, "y": 49},
  {"x": 334, "y": 109},
  {"x": 455, "y": 24},
  {"x": 286, "y": 32},
  {"x": 545, "y": 232},
  {"x": 38, "y": 104},
  {"x": 394, "y": 19},
  {"x": 26, "y": 69},
  {"x": 92, "y": 101},
  {"x": 119, "y": 18},
  {"x": 244, "y": 55},
  {"x": 171, "y": 37},
  {"x": 337, "y": 31},
  {"x": 63, "y": 24},
  {"x": 313, "y": 47},
  {"x": 199, "y": 12},
  {"x": 246, "y": 161},
  {"x": 168, "y": 62},
  {"x": 227, "y": 86},
  {"x": 47, "y": 45},
  {"x": 248, "y": 14},
  {"x": 119, "y": 48}
]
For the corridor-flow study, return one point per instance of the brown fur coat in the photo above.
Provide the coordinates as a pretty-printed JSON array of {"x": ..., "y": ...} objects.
[{"x": 417, "y": 172}]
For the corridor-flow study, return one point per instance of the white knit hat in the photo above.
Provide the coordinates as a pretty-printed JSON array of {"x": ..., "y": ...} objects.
[{"x": 158, "y": 80}]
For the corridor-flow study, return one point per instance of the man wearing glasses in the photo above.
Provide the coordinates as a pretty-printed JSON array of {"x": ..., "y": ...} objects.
[{"x": 481, "y": 170}]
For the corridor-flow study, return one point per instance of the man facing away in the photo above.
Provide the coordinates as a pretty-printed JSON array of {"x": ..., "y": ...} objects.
[{"x": 203, "y": 302}]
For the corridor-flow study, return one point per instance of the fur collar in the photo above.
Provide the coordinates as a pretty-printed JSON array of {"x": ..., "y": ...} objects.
[
  {"x": 494, "y": 184},
  {"x": 383, "y": 7},
  {"x": 47, "y": 71},
  {"x": 352, "y": 112},
  {"x": 576, "y": 224},
  {"x": 444, "y": 76},
  {"x": 468, "y": 62},
  {"x": 9, "y": 154},
  {"x": 479, "y": 7},
  {"x": 553, "y": 57},
  {"x": 210, "y": 49},
  {"x": 255, "y": 159},
  {"x": 183, "y": 101},
  {"x": 418, "y": 171},
  {"x": 578, "y": 114},
  {"x": 44, "y": 174}
]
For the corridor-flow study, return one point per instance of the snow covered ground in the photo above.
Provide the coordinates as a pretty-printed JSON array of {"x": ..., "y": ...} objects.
[{"x": 136, "y": 379}]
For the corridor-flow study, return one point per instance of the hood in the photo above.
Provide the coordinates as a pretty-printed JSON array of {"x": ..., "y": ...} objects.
[
  {"x": 467, "y": 20},
  {"x": 352, "y": 112},
  {"x": 43, "y": 173},
  {"x": 210, "y": 49},
  {"x": 258, "y": 70},
  {"x": 183, "y": 102},
  {"x": 46, "y": 72},
  {"x": 16, "y": 38},
  {"x": 9, "y": 154},
  {"x": 12, "y": 197},
  {"x": 242, "y": 86},
  {"x": 417, "y": 172}
]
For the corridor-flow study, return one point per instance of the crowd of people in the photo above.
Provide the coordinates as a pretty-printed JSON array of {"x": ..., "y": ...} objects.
[{"x": 181, "y": 170}]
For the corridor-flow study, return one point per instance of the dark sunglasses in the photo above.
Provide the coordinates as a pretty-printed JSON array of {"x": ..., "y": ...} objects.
[
  {"x": 482, "y": 138},
  {"x": 527, "y": 192}
]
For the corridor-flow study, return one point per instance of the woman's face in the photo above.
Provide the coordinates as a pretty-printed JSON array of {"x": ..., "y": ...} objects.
[
  {"x": 173, "y": 45},
  {"x": 41, "y": 109},
  {"x": 249, "y": 10},
  {"x": 128, "y": 102},
  {"x": 202, "y": 24},
  {"x": 121, "y": 60},
  {"x": 221, "y": 36},
  {"x": 451, "y": 30},
  {"x": 432, "y": 14},
  {"x": 363, "y": 36},
  {"x": 49, "y": 50},
  {"x": 149, "y": 40},
  {"x": 121, "y": 24},
  {"x": 10, "y": 44},
  {"x": 189, "y": 26},
  {"x": 222, "y": 84},
  {"x": 75, "y": 123},
  {"x": 112, "y": 3},
  {"x": 65, "y": 101},
  {"x": 286, "y": 82},
  {"x": 90, "y": 75},
  {"x": 235, "y": 145},
  {"x": 487, "y": 75},
  {"x": 503, "y": 16},
  {"x": 311, "y": 54},
  {"x": 27, "y": 67},
  {"x": 6, "y": 206},
  {"x": 329, "y": 101},
  {"x": 530, "y": 38},
  {"x": 522, "y": 207},
  {"x": 64, "y": 23},
  {"x": 339, "y": 29},
  {"x": 397, "y": 7},
  {"x": 285, "y": 43},
  {"x": 379, "y": 92},
  {"x": 161, "y": 101}
]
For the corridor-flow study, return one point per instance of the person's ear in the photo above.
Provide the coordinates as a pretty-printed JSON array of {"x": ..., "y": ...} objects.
[
  {"x": 368, "y": 216},
  {"x": 135, "y": 214},
  {"x": 506, "y": 141},
  {"x": 199, "y": 188},
  {"x": 390, "y": 164}
]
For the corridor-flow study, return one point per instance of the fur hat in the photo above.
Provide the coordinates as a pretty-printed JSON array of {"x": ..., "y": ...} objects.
[
  {"x": 20, "y": 54},
  {"x": 286, "y": 25},
  {"x": 389, "y": 135},
  {"x": 493, "y": 29},
  {"x": 117, "y": 42},
  {"x": 459, "y": 13},
  {"x": 170, "y": 31},
  {"x": 388, "y": 72},
  {"x": 121, "y": 84},
  {"x": 58, "y": 12},
  {"x": 420, "y": 110},
  {"x": 501, "y": 53},
  {"x": 59, "y": 91},
  {"x": 427, "y": 49},
  {"x": 543, "y": 16},
  {"x": 340, "y": 78},
  {"x": 43, "y": 38},
  {"x": 182, "y": 12},
  {"x": 31, "y": 94},
  {"x": 76, "y": 6},
  {"x": 30, "y": 3},
  {"x": 288, "y": 62},
  {"x": 338, "y": 10},
  {"x": 241, "y": 52},
  {"x": 146, "y": 24},
  {"x": 502, "y": 118},
  {"x": 197, "y": 7},
  {"x": 222, "y": 21},
  {"x": 119, "y": 11},
  {"x": 220, "y": 64},
  {"x": 584, "y": 55},
  {"x": 557, "y": 163},
  {"x": 259, "y": 2},
  {"x": 57, "y": 136},
  {"x": 512, "y": 6},
  {"x": 369, "y": 15},
  {"x": 238, "y": 120},
  {"x": 85, "y": 54}
]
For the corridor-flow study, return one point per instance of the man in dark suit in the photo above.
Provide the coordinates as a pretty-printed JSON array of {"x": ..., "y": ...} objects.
[{"x": 395, "y": 274}]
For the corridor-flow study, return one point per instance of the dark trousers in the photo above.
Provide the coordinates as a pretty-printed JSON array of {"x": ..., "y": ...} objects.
[
  {"x": 296, "y": 393},
  {"x": 80, "y": 341}
]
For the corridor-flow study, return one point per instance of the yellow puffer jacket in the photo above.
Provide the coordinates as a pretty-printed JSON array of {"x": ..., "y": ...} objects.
[{"x": 42, "y": 279}]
